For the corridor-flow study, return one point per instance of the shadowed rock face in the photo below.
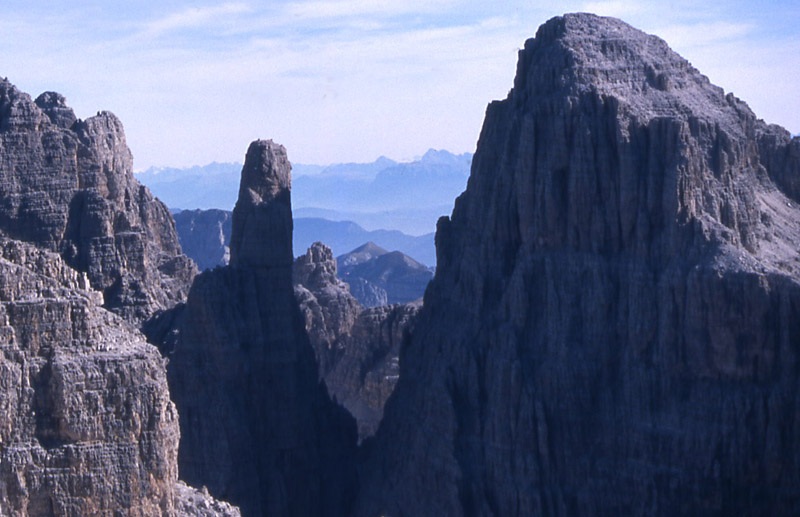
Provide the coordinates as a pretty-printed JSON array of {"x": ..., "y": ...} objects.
[
  {"x": 66, "y": 185},
  {"x": 258, "y": 428},
  {"x": 261, "y": 235},
  {"x": 614, "y": 324}
]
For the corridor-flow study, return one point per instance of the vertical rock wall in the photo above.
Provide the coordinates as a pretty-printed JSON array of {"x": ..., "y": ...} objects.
[
  {"x": 258, "y": 426},
  {"x": 614, "y": 324}
]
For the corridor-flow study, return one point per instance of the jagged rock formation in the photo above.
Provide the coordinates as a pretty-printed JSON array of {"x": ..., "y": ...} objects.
[
  {"x": 205, "y": 236},
  {"x": 258, "y": 428},
  {"x": 357, "y": 350},
  {"x": 326, "y": 303},
  {"x": 379, "y": 277},
  {"x": 614, "y": 325},
  {"x": 366, "y": 373},
  {"x": 191, "y": 502},
  {"x": 87, "y": 426},
  {"x": 66, "y": 185}
]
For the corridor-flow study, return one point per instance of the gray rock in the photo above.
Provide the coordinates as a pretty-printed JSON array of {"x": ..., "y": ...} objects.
[
  {"x": 613, "y": 327},
  {"x": 367, "y": 371},
  {"x": 191, "y": 502},
  {"x": 67, "y": 186},
  {"x": 367, "y": 293},
  {"x": 86, "y": 423},
  {"x": 258, "y": 427},
  {"x": 325, "y": 301},
  {"x": 357, "y": 350},
  {"x": 261, "y": 235}
]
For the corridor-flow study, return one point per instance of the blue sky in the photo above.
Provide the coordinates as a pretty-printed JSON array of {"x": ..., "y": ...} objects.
[{"x": 349, "y": 80}]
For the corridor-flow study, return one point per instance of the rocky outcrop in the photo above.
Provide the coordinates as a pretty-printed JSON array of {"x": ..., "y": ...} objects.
[
  {"x": 191, "y": 502},
  {"x": 357, "y": 350},
  {"x": 367, "y": 370},
  {"x": 205, "y": 236},
  {"x": 87, "y": 424},
  {"x": 258, "y": 427},
  {"x": 614, "y": 324},
  {"x": 66, "y": 185},
  {"x": 325, "y": 301},
  {"x": 378, "y": 277}
]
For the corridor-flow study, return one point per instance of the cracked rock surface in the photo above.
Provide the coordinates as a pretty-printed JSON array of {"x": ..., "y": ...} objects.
[{"x": 614, "y": 324}]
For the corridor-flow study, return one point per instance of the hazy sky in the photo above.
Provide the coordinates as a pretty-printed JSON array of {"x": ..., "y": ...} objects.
[{"x": 349, "y": 80}]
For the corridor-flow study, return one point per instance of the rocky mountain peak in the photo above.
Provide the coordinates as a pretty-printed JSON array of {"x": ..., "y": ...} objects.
[
  {"x": 579, "y": 53},
  {"x": 261, "y": 236},
  {"x": 361, "y": 254},
  {"x": 55, "y": 107},
  {"x": 316, "y": 268},
  {"x": 616, "y": 292},
  {"x": 17, "y": 111}
]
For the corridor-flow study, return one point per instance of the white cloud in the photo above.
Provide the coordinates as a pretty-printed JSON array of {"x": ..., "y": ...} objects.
[
  {"x": 616, "y": 8},
  {"x": 194, "y": 17},
  {"x": 343, "y": 8},
  {"x": 699, "y": 34}
]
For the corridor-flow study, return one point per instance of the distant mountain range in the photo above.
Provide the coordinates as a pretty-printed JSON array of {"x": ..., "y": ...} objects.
[
  {"x": 343, "y": 236},
  {"x": 205, "y": 237},
  {"x": 383, "y": 194}
]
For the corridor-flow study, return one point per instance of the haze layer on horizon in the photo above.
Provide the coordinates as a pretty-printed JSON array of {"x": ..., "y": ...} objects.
[{"x": 349, "y": 80}]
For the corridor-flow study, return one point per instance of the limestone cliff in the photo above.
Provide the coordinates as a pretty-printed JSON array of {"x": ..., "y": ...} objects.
[
  {"x": 614, "y": 324},
  {"x": 258, "y": 427},
  {"x": 86, "y": 423},
  {"x": 66, "y": 185}
]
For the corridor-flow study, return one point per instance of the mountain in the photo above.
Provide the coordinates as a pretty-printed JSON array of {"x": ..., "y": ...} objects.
[
  {"x": 205, "y": 237},
  {"x": 398, "y": 196},
  {"x": 378, "y": 277},
  {"x": 413, "y": 220},
  {"x": 342, "y": 236},
  {"x": 88, "y": 427},
  {"x": 257, "y": 426},
  {"x": 357, "y": 348},
  {"x": 68, "y": 187},
  {"x": 614, "y": 323}
]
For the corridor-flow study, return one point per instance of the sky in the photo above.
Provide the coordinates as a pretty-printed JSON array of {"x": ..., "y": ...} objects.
[{"x": 349, "y": 80}]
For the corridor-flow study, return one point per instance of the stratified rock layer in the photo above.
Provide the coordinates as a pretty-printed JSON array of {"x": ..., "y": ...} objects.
[
  {"x": 258, "y": 428},
  {"x": 367, "y": 371},
  {"x": 86, "y": 423},
  {"x": 66, "y": 185},
  {"x": 614, "y": 325}
]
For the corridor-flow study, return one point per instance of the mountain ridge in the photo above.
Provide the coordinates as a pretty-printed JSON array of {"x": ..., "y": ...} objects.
[{"x": 613, "y": 293}]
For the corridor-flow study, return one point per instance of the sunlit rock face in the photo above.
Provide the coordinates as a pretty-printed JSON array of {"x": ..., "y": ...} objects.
[
  {"x": 66, "y": 185},
  {"x": 614, "y": 324},
  {"x": 357, "y": 348}
]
